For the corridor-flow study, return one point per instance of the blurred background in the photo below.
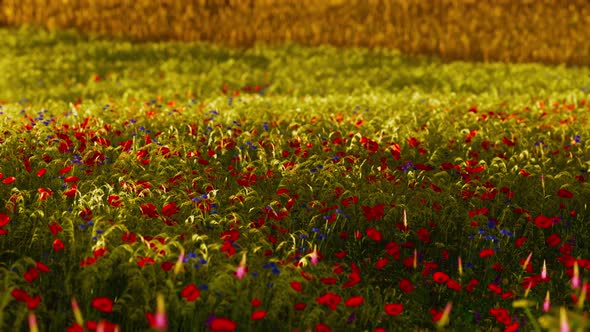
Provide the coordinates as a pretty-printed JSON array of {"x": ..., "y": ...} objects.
[{"x": 548, "y": 31}]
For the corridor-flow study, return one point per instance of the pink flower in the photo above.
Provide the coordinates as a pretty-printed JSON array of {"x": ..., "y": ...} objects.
[
  {"x": 242, "y": 269},
  {"x": 544, "y": 271},
  {"x": 314, "y": 257},
  {"x": 546, "y": 303},
  {"x": 160, "y": 319},
  {"x": 576, "y": 277}
]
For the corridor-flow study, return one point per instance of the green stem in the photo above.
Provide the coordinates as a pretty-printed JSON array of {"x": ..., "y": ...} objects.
[{"x": 532, "y": 319}]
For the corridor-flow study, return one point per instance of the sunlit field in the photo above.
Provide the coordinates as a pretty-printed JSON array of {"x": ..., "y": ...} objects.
[{"x": 192, "y": 187}]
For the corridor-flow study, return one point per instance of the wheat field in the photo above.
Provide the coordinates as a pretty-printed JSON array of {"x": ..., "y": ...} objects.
[{"x": 548, "y": 31}]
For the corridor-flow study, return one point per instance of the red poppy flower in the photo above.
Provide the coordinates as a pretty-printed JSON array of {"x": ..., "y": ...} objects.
[
  {"x": 129, "y": 238},
  {"x": 353, "y": 279},
  {"x": 4, "y": 220},
  {"x": 71, "y": 192},
  {"x": 255, "y": 302},
  {"x": 33, "y": 302},
  {"x": 369, "y": 144},
  {"x": 564, "y": 193},
  {"x": 543, "y": 221},
  {"x": 553, "y": 240},
  {"x": 452, "y": 284},
  {"x": 230, "y": 235},
  {"x": 328, "y": 281},
  {"x": 149, "y": 210},
  {"x": 20, "y": 295},
  {"x": 394, "y": 309},
  {"x": 86, "y": 213},
  {"x": 58, "y": 245},
  {"x": 166, "y": 266},
  {"x": 114, "y": 200},
  {"x": 228, "y": 248},
  {"x": 258, "y": 315},
  {"x": 501, "y": 315},
  {"x": 413, "y": 142},
  {"x": 75, "y": 327},
  {"x": 55, "y": 228},
  {"x": 376, "y": 212},
  {"x": 508, "y": 142},
  {"x": 440, "y": 277},
  {"x": 381, "y": 263},
  {"x": 507, "y": 295},
  {"x": 478, "y": 212},
  {"x": 406, "y": 286},
  {"x": 88, "y": 261},
  {"x": 143, "y": 261},
  {"x": 322, "y": 328},
  {"x": 44, "y": 193},
  {"x": 42, "y": 267},
  {"x": 374, "y": 234},
  {"x": 170, "y": 209},
  {"x": 354, "y": 301},
  {"x": 329, "y": 299},
  {"x": 71, "y": 178},
  {"x": 190, "y": 292},
  {"x": 31, "y": 275},
  {"x": 103, "y": 304},
  {"x": 424, "y": 235},
  {"x": 282, "y": 191},
  {"x": 495, "y": 289},
  {"x": 524, "y": 173},
  {"x": 512, "y": 327},
  {"x": 65, "y": 170},
  {"x": 340, "y": 254},
  {"x": 219, "y": 324},
  {"x": 99, "y": 252},
  {"x": 486, "y": 253},
  {"x": 9, "y": 180},
  {"x": 299, "y": 306},
  {"x": 349, "y": 201},
  {"x": 393, "y": 249},
  {"x": 296, "y": 285},
  {"x": 91, "y": 325},
  {"x": 41, "y": 172},
  {"x": 520, "y": 241},
  {"x": 471, "y": 285}
]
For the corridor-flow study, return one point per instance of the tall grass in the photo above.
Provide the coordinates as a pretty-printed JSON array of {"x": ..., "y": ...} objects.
[{"x": 192, "y": 187}]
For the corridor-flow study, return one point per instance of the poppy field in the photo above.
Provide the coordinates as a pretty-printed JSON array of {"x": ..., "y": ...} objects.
[{"x": 191, "y": 187}]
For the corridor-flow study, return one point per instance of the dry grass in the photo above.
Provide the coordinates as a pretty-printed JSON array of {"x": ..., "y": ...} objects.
[{"x": 550, "y": 31}]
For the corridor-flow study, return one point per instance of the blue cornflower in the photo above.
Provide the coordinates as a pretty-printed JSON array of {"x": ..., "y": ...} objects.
[
  {"x": 507, "y": 233},
  {"x": 269, "y": 265}
]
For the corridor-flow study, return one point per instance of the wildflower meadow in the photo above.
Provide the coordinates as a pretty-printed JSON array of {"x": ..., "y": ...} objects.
[{"x": 192, "y": 187}]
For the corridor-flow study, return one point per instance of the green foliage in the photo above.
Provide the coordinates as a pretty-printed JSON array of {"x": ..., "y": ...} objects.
[{"x": 153, "y": 186}]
